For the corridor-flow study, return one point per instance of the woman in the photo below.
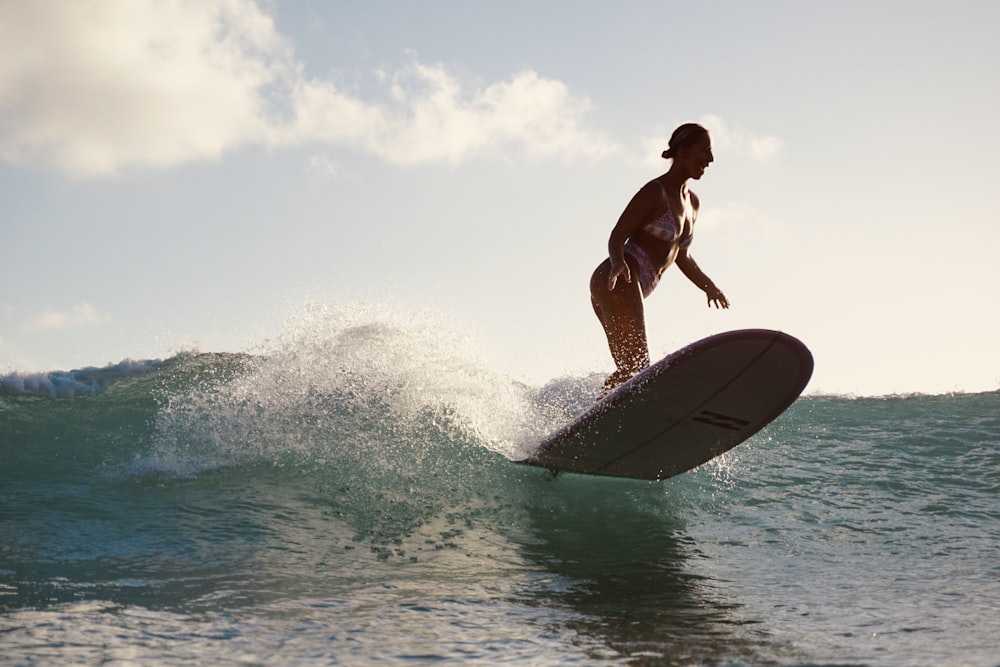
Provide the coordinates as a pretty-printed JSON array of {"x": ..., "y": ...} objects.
[{"x": 653, "y": 232}]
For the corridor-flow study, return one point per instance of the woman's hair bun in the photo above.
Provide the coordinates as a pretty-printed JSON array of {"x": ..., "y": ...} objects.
[{"x": 685, "y": 135}]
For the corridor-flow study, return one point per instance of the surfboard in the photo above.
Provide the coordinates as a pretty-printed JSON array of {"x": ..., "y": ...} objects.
[{"x": 684, "y": 410}]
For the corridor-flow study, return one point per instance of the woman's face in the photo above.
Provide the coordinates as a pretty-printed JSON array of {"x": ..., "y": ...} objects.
[{"x": 697, "y": 156}]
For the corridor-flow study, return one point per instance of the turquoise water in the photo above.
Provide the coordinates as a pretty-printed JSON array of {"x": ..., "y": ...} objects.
[{"x": 348, "y": 498}]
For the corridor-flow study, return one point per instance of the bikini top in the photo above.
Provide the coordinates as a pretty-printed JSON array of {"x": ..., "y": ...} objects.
[{"x": 664, "y": 228}]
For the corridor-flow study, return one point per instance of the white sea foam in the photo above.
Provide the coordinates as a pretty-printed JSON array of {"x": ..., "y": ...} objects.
[{"x": 348, "y": 382}]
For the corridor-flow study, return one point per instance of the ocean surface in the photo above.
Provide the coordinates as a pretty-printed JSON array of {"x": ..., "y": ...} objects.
[{"x": 347, "y": 497}]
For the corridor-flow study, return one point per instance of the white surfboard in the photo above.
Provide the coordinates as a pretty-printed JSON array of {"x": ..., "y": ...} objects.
[{"x": 684, "y": 410}]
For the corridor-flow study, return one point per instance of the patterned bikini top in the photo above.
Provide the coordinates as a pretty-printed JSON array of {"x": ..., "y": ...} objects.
[{"x": 664, "y": 228}]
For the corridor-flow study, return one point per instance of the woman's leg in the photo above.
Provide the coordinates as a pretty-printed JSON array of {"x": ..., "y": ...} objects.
[{"x": 621, "y": 314}]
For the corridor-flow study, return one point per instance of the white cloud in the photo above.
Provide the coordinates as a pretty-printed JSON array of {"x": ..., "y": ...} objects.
[
  {"x": 80, "y": 315},
  {"x": 760, "y": 147},
  {"x": 431, "y": 116},
  {"x": 322, "y": 166},
  {"x": 92, "y": 87}
]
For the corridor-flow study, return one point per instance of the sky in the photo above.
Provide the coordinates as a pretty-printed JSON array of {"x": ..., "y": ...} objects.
[{"x": 196, "y": 174}]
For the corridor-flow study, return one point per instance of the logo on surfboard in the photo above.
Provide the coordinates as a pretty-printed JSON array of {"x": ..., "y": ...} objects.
[{"x": 720, "y": 420}]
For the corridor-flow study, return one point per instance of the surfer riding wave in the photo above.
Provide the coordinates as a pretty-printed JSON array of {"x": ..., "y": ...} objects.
[{"x": 654, "y": 231}]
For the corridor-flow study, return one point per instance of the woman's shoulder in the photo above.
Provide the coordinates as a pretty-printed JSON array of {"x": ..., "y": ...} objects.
[
  {"x": 695, "y": 202},
  {"x": 656, "y": 185},
  {"x": 655, "y": 192}
]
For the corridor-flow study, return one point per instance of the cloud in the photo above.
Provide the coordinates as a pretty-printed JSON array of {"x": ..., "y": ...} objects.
[
  {"x": 322, "y": 166},
  {"x": 760, "y": 147},
  {"x": 80, "y": 315},
  {"x": 91, "y": 86},
  {"x": 97, "y": 86},
  {"x": 429, "y": 115}
]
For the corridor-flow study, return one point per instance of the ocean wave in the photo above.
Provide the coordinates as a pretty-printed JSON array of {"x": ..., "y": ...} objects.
[
  {"x": 88, "y": 381},
  {"x": 342, "y": 386}
]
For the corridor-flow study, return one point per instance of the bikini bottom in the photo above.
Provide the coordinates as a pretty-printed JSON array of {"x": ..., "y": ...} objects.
[{"x": 648, "y": 275}]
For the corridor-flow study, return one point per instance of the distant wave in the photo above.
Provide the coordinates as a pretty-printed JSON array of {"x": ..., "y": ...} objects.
[{"x": 87, "y": 381}]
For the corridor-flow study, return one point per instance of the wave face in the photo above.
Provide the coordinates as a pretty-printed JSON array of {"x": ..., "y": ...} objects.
[{"x": 346, "y": 495}]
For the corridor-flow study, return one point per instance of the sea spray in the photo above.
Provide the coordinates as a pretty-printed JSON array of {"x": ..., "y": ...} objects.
[{"x": 392, "y": 416}]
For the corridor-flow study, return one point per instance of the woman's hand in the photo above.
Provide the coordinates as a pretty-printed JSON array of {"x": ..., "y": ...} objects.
[
  {"x": 619, "y": 268},
  {"x": 716, "y": 298}
]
